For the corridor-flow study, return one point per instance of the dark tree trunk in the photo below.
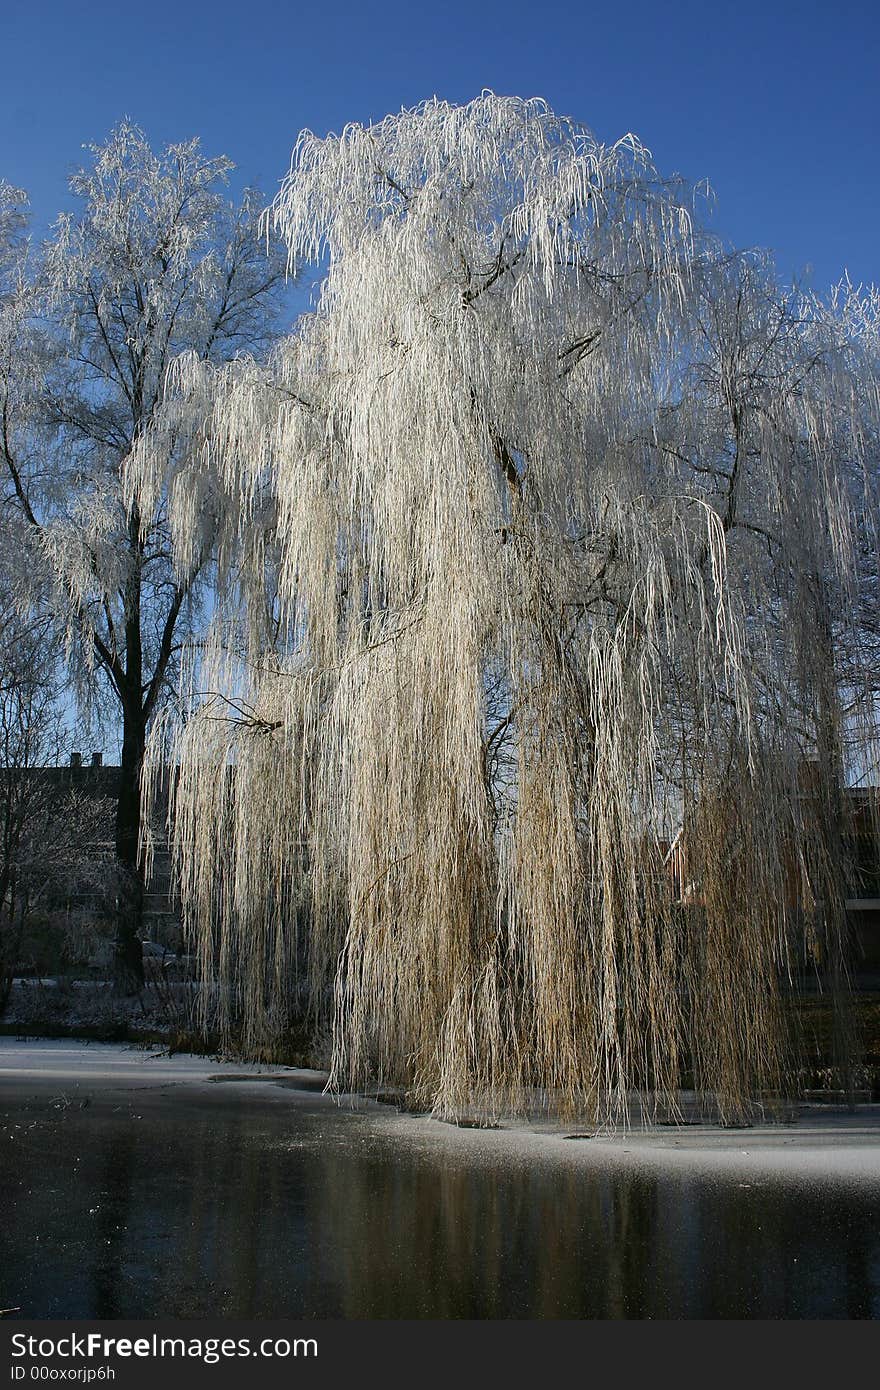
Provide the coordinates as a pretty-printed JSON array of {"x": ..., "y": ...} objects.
[
  {"x": 129, "y": 965},
  {"x": 833, "y": 874}
]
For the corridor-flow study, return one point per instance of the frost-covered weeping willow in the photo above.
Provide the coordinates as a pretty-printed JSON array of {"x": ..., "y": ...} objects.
[{"x": 547, "y": 540}]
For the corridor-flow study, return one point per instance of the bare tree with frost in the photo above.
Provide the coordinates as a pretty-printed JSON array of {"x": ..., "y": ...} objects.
[
  {"x": 156, "y": 262},
  {"x": 541, "y": 546}
]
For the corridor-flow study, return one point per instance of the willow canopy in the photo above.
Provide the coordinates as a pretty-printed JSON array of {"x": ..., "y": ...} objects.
[{"x": 547, "y": 541}]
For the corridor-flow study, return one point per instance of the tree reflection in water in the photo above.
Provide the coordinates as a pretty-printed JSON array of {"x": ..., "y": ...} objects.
[{"x": 225, "y": 1204}]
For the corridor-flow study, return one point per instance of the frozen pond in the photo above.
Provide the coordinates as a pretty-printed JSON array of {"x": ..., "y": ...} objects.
[{"x": 133, "y": 1185}]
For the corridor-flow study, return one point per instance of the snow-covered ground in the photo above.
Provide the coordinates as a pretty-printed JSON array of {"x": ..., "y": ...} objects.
[
  {"x": 821, "y": 1145},
  {"x": 124, "y": 1065}
]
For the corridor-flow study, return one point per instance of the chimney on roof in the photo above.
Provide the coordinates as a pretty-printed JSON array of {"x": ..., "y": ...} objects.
[
  {"x": 97, "y": 759},
  {"x": 76, "y": 759}
]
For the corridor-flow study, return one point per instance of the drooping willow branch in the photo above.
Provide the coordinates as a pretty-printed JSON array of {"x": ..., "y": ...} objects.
[{"x": 548, "y": 834}]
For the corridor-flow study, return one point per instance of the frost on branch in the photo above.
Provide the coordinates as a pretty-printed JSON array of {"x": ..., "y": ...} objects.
[{"x": 540, "y": 548}]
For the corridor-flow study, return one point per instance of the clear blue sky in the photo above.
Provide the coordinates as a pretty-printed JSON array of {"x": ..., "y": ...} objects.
[{"x": 776, "y": 103}]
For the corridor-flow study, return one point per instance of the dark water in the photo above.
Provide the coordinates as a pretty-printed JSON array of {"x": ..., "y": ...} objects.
[{"x": 169, "y": 1203}]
